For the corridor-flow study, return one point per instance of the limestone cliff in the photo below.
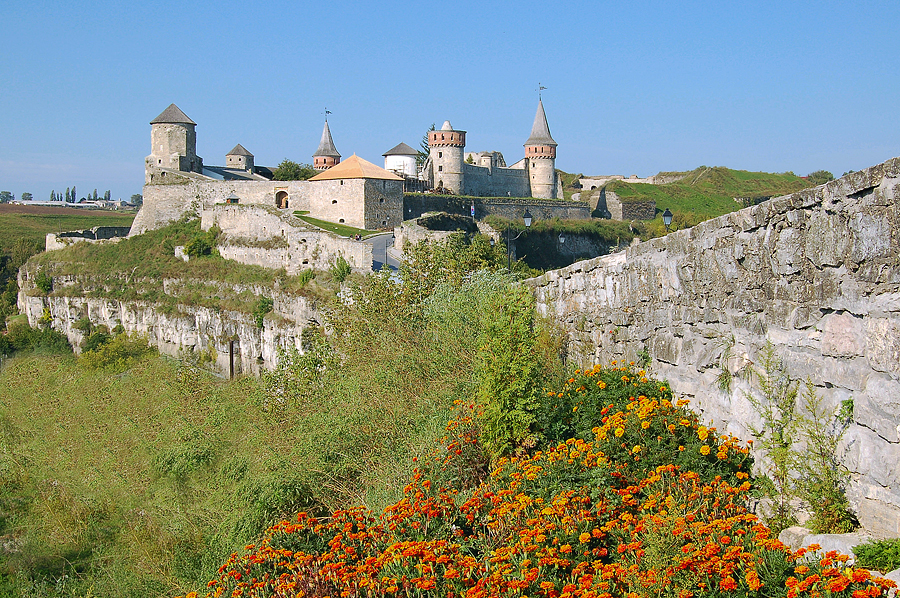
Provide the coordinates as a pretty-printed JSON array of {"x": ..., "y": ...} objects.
[{"x": 181, "y": 328}]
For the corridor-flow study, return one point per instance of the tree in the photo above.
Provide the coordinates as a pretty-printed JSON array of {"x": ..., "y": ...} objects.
[
  {"x": 289, "y": 170},
  {"x": 74, "y": 196},
  {"x": 68, "y": 195},
  {"x": 820, "y": 177},
  {"x": 6, "y": 197},
  {"x": 27, "y": 196},
  {"x": 95, "y": 197},
  {"x": 107, "y": 195},
  {"x": 426, "y": 149},
  {"x": 137, "y": 199}
]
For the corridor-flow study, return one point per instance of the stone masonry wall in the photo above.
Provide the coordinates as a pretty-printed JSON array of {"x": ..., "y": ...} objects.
[
  {"x": 496, "y": 182},
  {"x": 626, "y": 210},
  {"x": 816, "y": 273},
  {"x": 164, "y": 204},
  {"x": 263, "y": 236},
  {"x": 414, "y": 205}
]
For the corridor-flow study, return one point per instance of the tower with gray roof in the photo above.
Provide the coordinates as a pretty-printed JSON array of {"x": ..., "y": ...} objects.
[
  {"x": 540, "y": 154},
  {"x": 239, "y": 158},
  {"x": 173, "y": 143},
  {"x": 326, "y": 155}
]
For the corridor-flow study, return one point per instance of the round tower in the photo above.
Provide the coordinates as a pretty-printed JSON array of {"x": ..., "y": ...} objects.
[
  {"x": 540, "y": 153},
  {"x": 326, "y": 155},
  {"x": 447, "y": 151},
  {"x": 173, "y": 142}
]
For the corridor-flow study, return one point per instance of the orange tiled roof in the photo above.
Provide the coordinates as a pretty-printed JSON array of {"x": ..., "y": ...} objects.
[{"x": 355, "y": 167}]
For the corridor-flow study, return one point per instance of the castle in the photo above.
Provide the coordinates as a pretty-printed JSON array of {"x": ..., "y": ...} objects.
[
  {"x": 354, "y": 192},
  {"x": 483, "y": 174}
]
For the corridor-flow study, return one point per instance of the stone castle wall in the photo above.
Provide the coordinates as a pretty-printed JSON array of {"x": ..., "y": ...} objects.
[
  {"x": 164, "y": 204},
  {"x": 262, "y": 236},
  {"x": 495, "y": 182},
  {"x": 816, "y": 273},
  {"x": 414, "y": 205},
  {"x": 625, "y": 210}
]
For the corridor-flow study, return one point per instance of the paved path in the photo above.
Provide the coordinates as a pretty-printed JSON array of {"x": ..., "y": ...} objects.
[{"x": 381, "y": 255}]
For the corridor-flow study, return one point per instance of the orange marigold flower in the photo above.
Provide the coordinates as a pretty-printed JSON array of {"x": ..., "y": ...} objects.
[
  {"x": 728, "y": 584},
  {"x": 704, "y": 450},
  {"x": 838, "y": 584},
  {"x": 547, "y": 585},
  {"x": 619, "y": 432},
  {"x": 565, "y": 548},
  {"x": 601, "y": 384},
  {"x": 584, "y": 538},
  {"x": 645, "y": 424}
]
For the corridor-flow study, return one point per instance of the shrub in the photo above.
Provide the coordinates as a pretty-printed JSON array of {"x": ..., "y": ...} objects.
[
  {"x": 340, "y": 269},
  {"x": 263, "y": 306},
  {"x": 43, "y": 282},
  {"x": 305, "y": 277},
  {"x": 115, "y": 354},
  {"x": 883, "y": 555}
]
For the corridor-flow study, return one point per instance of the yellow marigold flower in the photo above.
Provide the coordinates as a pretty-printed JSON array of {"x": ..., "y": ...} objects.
[
  {"x": 619, "y": 432},
  {"x": 681, "y": 448},
  {"x": 645, "y": 424},
  {"x": 601, "y": 384},
  {"x": 702, "y": 433},
  {"x": 575, "y": 408},
  {"x": 636, "y": 449},
  {"x": 704, "y": 450},
  {"x": 584, "y": 538}
]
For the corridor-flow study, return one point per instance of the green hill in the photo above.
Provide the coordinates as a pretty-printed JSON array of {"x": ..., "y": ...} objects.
[{"x": 707, "y": 192}]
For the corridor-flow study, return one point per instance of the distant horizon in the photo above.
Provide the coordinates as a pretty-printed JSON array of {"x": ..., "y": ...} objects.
[{"x": 660, "y": 87}]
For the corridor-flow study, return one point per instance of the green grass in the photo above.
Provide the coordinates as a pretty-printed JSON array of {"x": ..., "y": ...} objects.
[
  {"x": 710, "y": 192},
  {"x": 131, "y": 270},
  {"x": 338, "y": 229},
  {"x": 34, "y": 225},
  {"x": 140, "y": 484}
]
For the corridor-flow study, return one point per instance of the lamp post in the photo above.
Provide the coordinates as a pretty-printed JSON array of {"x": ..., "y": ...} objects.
[
  {"x": 667, "y": 219},
  {"x": 527, "y": 218}
]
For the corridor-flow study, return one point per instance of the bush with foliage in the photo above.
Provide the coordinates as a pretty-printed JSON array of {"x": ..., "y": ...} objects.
[
  {"x": 583, "y": 517},
  {"x": 288, "y": 170},
  {"x": 114, "y": 353},
  {"x": 340, "y": 269},
  {"x": 882, "y": 555},
  {"x": 263, "y": 306}
]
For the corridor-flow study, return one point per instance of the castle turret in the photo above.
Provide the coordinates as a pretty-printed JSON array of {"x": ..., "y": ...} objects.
[
  {"x": 239, "y": 158},
  {"x": 447, "y": 150},
  {"x": 326, "y": 156},
  {"x": 540, "y": 152},
  {"x": 173, "y": 143}
]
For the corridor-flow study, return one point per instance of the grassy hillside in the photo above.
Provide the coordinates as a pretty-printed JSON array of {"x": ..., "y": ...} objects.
[
  {"x": 32, "y": 223},
  {"x": 709, "y": 192},
  {"x": 23, "y": 230}
]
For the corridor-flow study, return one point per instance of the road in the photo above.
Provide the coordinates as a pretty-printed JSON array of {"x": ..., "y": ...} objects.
[{"x": 380, "y": 255}]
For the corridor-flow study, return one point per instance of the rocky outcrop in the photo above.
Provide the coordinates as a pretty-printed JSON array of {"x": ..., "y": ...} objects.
[
  {"x": 182, "y": 329},
  {"x": 816, "y": 273}
]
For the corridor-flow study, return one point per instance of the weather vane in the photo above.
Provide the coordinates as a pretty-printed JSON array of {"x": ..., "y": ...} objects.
[
  {"x": 327, "y": 112},
  {"x": 540, "y": 89}
]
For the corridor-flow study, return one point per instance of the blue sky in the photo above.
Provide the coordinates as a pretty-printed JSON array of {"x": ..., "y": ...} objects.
[{"x": 632, "y": 87}]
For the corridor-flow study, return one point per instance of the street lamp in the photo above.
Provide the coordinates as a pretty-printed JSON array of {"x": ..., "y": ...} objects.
[
  {"x": 527, "y": 218},
  {"x": 667, "y": 219}
]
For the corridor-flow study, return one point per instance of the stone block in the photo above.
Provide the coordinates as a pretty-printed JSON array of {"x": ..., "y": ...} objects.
[
  {"x": 878, "y": 407},
  {"x": 842, "y": 543},
  {"x": 870, "y": 236},
  {"x": 843, "y": 335},
  {"x": 826, "y": 239},
  {"x": 883, "y": 344},
  {"x": 881, "y": 518},
  {"x": 792, "y": 537}
]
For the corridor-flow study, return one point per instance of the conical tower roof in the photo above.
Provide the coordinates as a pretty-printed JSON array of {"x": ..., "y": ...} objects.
[
  {"x": 540, "y": 131},
  {"x": 239, "y": 150},
  {"x": 326, "y": 145},
  {"x": 172, "y": 114}
]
